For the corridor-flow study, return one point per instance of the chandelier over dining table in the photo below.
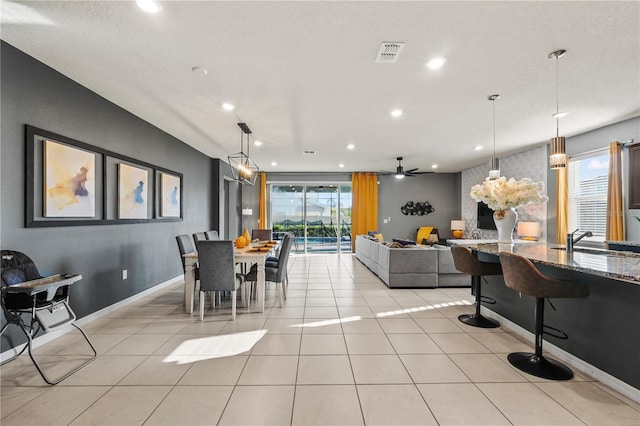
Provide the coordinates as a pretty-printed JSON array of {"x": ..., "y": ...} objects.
[{"x": 243, "y": 169}]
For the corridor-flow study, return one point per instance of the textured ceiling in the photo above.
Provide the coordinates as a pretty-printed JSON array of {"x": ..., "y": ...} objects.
[{"x": 302, "y": 74}]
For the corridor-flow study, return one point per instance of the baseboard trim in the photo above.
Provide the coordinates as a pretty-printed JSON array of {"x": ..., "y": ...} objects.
[
  {"x": 562, "y": 355},
  {"x": 48, "y": 337}
]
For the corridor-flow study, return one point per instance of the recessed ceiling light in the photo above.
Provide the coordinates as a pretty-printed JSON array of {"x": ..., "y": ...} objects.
[
  {"x": 436, "y": 63},
  {"x": 228, "y": 107},
  {"x": 351, "y": 146},
  {"x": 434, "y": 166},
  {"x": 341, "y": 165},
  {"x": 149, "y": 6},
  {"x": 257, "y": 143},
  {"x": 560, "y": 114},
  {"x": 273, "y": 163},
  {"x": 396, "y": 113},
  {"x": 478, "y": 147},
  {"x": 199, "y": 70}
]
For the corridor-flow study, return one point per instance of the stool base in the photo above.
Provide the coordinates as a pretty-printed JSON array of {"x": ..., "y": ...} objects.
[
  {"x": 477, "y": 320},
  {"x": 539, "y": 366}
]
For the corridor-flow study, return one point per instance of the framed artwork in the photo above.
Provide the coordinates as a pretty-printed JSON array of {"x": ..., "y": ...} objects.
[
  {"x": 133, "y": 192},
  {"x": 69, "y": 181},
  {"x": 170, "y": 195}
]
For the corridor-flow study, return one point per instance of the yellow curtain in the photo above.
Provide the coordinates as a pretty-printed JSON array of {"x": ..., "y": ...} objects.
[
  {"x": 615, "y": 211},
  {"x": 562, "y": 205},
  {"x": 262, "y": 215},
  {"x": 364, "y": 212}
]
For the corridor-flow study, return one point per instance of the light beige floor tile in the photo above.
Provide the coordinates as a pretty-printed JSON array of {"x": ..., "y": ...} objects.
[
  {"x": 277, "y": 344},
  {"x": 62, "y": 343},
  {"x": 427, "y": 312},
  {"x": 439, "y": 325},
  {"x": 433, "y": 369},
  {"x": 376, "y": 302},
  {"x": 183, "y": 344},
  {"x": 139, "y": 344},
  {"x": 269, "y": 370},
  {"x": 403, "y": 326},
  {"x": 362, "y": 326},
  {"x": 324, "y": 370},
  {"x": 340, "y": 292},
  {"x": 356, "y": 312},
  {"x": 313, "y": 293},
  {"x": 461, "y": 404},
  {"x": 22, "y": 372},
  {"x": 323, "y": 344},
  {"x": 209, "y": 327},
  {"x": 376, "y": 293},
  {"x": 214, "y": 371},
  {"x": 326, "y": 405},
  {"x": 293, "y": 302},
  {"x": 322, "y": 326},
  {"x": 284, "y": 325},
  {"x": 501, "y": 342},
  {"x": 320, "y": 301},
  {"x": 320, "y": 312},
  {"x": 102, "y": 412},
  {"x": 458, "y": 343},
  {"x": 362, "y": 344},
  {"x": 487, "y": 368},
  {"x": 191, "y": 405},
  {"x": 393, "y": 405},
  {"x": 157, "y": 371},
  {"x": 164, "y": 326},
  {"x": 287, "y": 312},
  {"x": 391, "y": 312},
  {"x": 231, "y": 344},
  {"x": 56, "y": 406},
  {"x": 379, "y": 369},
  {"x": 525, "y": 404},
  {"x": 116, "y": 326},
  {"x": 413, "y": 344},
  {"x": 270, "y": 405},
  {"x": 104, "y": 370},
  {"x": 242, "y": 325},
  {"x": 591, "y": 404},
  {"x": 353, "y": 302},
  {"x": 151, "y": 311},
  {"x": 633, "y": 404},
  {"x": 12, "y": 398},
  {"x": 453, "y": 312}
]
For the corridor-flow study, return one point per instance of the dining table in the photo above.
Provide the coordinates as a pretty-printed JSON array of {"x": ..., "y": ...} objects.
[{"x": 256, "y": 253}]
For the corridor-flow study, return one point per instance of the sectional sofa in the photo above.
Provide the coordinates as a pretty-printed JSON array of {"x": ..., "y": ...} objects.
[{"x": 411, "y": 267}]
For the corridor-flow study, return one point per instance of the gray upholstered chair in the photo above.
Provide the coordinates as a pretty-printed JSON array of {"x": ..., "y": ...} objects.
[
  {"x": 522, "y": 276},
  {"x": 218, "y": 273},
  {"x": 185, "y": 246},
  {"x": 466, "y": 262},
  {"x": 276, "y": 273},
  {"x": 261, "y": 234},
  {"x": 212, "y": 235},
  {"x": 199, "y": 236}
]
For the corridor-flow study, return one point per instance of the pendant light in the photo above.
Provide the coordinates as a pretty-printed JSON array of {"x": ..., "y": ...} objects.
[
  {"x": 558, "y": 158},
  {"x": 494, "y": 164},
  {"x": 243, "y": 169}
]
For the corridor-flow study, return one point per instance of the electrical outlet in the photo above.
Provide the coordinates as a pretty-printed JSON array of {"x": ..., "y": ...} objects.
[
  {"x": 386, "y": 221},
  {"x": 124, "y": 274}
]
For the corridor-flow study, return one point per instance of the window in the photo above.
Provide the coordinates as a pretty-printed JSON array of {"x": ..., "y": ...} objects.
[{"x": 588, "y": 180}]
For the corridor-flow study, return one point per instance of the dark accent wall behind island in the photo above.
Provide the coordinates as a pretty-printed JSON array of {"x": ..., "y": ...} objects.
[{"x": 35, "y": 94}]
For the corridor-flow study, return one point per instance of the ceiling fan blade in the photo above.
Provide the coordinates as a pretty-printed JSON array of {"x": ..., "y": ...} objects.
[
  {"x": 421, "y": 173},
  {"x": 412, "y": 170}
]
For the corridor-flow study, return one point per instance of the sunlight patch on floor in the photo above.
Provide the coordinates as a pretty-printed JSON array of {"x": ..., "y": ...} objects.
[
  {"x": 210, "y": 347},
  {"x": 425, "y": 308},
  {"x": 327, "y": 322}
]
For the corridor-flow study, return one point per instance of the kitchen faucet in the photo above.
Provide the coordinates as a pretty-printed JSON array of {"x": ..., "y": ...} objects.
[{"x": 572, "y": 241}]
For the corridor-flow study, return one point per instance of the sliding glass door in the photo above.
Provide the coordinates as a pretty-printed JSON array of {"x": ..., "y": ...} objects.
[{"x": 318, "y": 215}]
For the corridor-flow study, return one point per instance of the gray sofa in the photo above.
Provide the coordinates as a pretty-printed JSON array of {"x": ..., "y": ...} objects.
[{"x": 413, "y": 267}]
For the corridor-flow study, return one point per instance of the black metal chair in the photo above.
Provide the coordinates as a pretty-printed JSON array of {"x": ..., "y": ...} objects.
[
  {"x": 522, "y": 276},
  {"x": 44, "y": 299},
  {"x": 466, "y": 262}
]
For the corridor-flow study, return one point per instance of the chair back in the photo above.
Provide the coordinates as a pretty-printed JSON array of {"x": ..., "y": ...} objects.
[
  {"x": 466, "y": 262},
  {"x": 17, "y": 268},
  {"x": 262, "y": 234},
  {"x": 199, "y": 236},
  {"x": 283, "y": 257},
  {"x": 212, "y": 235},
  {"x": 521, "y": 275},
  {"x": 185, "y": 245},
  {"x": 217, "y": 265}
]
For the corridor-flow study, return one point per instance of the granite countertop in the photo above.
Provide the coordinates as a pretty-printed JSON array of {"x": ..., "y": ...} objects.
[
  {"x": 624, "y": 243},
  {"x": 617, "y": 265}
]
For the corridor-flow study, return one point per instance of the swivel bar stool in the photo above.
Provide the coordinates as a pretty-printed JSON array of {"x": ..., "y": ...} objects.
[
  {"x": 466, "y": 262},
  {"x": 521, "y": 275}
]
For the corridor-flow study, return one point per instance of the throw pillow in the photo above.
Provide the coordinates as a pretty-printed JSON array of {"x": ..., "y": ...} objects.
[{"x": 378, "y": 237}]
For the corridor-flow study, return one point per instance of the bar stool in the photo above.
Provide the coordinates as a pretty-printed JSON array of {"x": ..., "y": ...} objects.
[
  {"x": 521, "y": 275},
  {"x": 466, "y": 262}
]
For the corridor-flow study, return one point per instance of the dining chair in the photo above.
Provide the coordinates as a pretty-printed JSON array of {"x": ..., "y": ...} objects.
[
  {"x": 185, "y": 246},
  {"x": 276, "y": 273},
  {"x": 212, "y": 235},
  {"x": 199, "y": 236},
  {"x": 262, "y": 234},
  {"x": 218, "y": 273}
]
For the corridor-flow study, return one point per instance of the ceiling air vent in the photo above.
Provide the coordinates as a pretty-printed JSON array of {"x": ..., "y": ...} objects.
[
  {"x": 309, "y": 152},
  {"x": 389, "y": 52}
]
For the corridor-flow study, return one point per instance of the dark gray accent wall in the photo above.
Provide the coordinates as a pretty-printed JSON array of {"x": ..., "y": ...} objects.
[{"x": 35, "y": 94}]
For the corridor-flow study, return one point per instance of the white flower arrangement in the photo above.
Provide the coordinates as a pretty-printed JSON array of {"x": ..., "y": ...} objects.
[{"x": 501, "y": 194}]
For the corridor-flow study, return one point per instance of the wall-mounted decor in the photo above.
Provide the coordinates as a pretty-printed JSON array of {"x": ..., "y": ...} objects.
[
  {"x": 170, "y": 190},
  {"x": 69, "y": 181},
  {"x": 412, "y": 208},
  {"x": 133, "y": 192}
]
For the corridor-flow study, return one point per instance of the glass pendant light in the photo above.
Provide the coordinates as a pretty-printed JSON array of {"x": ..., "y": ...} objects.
[
  {"x": 558, "y": 157},
  {"x": 494, "y": 165}
]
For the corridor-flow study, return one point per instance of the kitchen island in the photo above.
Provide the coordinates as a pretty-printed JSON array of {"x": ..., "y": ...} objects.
[{"x": 603, "y": 329}]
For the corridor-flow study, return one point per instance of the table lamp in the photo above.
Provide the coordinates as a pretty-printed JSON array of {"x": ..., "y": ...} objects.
[
  {"x": 457, "y": 226},
  {"x": 529, "y": 231}
]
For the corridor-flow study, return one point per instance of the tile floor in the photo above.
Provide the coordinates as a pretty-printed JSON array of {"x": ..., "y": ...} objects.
[{"x": 345, "y": 350}]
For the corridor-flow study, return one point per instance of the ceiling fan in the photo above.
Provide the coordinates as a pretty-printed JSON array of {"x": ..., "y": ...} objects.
[{"x": 400, "y": 172}]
